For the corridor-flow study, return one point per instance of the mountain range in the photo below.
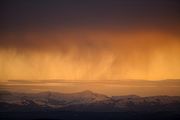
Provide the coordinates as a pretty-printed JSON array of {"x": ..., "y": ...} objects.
[{"x": 85, "y": 101}]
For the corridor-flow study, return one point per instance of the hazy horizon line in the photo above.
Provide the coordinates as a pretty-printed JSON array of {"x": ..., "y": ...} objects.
[
  {"x": 170, "y": 87},
  {"x": 85, "y": 91},
  {"x": 45, "y": 81}
]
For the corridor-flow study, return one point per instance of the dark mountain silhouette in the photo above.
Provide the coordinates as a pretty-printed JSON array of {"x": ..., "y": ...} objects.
[{"x": 13, "y": 104}]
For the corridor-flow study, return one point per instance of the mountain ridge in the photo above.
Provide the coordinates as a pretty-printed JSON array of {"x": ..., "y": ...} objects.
[{"x": 85, "y": 101}]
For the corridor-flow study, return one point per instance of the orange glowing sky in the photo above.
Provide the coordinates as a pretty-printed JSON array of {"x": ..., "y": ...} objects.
[
  {"x": 92, "y": 55},
  {"x": 81, "y": 43}
]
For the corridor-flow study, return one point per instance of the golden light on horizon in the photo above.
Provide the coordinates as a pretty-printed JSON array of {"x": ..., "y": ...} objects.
[{"x": 92, "y": 55}]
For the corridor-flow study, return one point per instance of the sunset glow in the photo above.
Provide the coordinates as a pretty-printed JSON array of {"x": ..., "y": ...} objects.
[
  {"x": 93, "y": 56},
  {"x": 84, "y": 43}
]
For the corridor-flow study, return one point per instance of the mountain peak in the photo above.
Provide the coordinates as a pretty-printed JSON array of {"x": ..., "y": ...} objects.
[{"x": 87, "y": 92}]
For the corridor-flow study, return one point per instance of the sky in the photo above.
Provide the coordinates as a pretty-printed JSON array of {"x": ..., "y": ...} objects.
[{"x": 92, "y": 40}]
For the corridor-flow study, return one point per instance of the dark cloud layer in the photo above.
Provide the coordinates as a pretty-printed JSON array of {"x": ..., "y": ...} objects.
[
  {"x": 47, "y": 14},
  {"x": 31, "y": 23}
]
